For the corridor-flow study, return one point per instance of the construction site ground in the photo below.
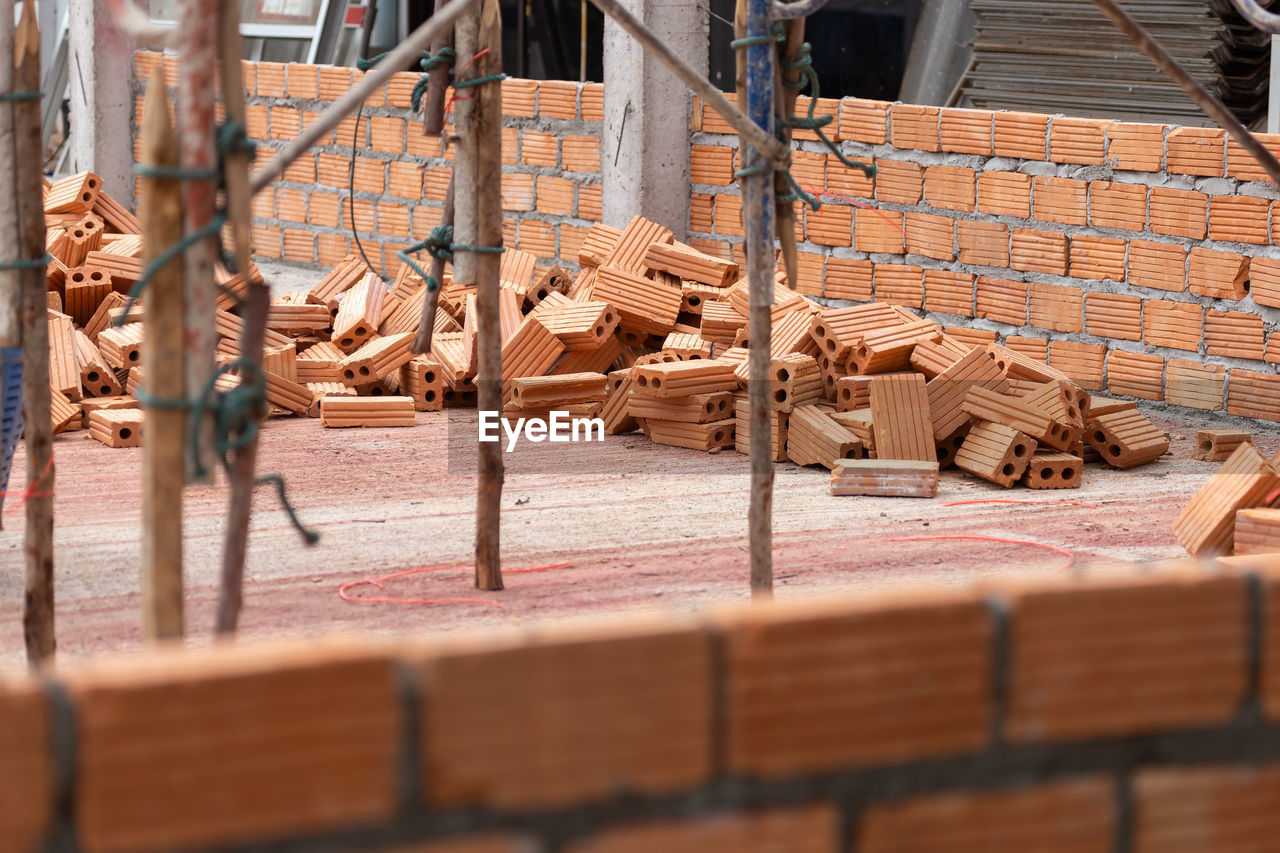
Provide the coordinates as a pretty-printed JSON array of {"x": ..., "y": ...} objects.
[{"x": 643, "y": 527}]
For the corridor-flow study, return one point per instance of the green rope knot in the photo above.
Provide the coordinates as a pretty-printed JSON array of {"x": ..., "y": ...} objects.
[
  {"x": 236, "y": 413},
  {"x": 439, "y": 244},
  {"x": 234, "y": 139},
  {"x": 479, "y": 81},
  {"x": 430, "y": 61}
]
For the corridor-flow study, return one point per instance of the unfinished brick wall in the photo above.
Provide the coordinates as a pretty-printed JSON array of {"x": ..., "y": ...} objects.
[
  {"x": 1140, "y": 259},
  {"x": 551, "y": 189},
  {"x": 1114, "y": 714}
]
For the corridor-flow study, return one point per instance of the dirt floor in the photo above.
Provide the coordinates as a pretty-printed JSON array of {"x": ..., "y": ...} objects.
[{"x": 643, "y": 527}]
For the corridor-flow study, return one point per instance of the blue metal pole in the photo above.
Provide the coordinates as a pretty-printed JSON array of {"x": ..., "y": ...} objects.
[{"x": 759, "y": 213}]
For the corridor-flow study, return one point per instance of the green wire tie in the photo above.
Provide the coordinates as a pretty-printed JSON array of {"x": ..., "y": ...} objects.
[
  {"x": 23, "y": 96},
  {"x": 439, "y": 244},
  {"x": 27, "y": 263}
]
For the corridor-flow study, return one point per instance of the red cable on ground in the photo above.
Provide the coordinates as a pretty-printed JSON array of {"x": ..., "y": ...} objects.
[
  {"x": 998, "y": 501},
  {"x": 30, "y": 491},
  {"x": 1071, "y": 558},
  {"x": 488, "y": 602}
]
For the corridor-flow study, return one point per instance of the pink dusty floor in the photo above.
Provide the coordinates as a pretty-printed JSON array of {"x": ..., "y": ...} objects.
[{"x": 642, "y": 526}]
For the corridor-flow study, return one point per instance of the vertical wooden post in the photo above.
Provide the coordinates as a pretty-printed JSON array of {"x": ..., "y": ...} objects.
[
  {"x": 793, "y": 34},
  {"x": 197, "y": 64},
  {"x": 437, "y": 83},
  {"x": 760, "y": 70},
  {"x": 253, "y": 330},
  {"x": 427, "y": 321},
  {"x": 478, "y": 206},
  {"x": 162, "y": 356},
  {"x": 38, "y": 624},
  {"x": 10, "y": 282}
]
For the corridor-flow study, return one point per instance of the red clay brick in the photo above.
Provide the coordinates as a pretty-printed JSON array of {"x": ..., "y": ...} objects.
[
  {"x": 805, "y": 692},
  {"x": 863, "y": 120},
  {"x": 1264, "y": 281},
  {"x": 1177, "y": 325},
  {"x": 517, "y": 191},
  {"x": 728, "y": 215},
  {"x": 950, "y": 187},
  {"x": 1253, "y": 395},
  {"x": 1074, "y": 816},
  {"x": 271, "y": 80},
  {"x": 537, "y": 238},
  {"x": 1239, "y": 219},
  {"x": 1113, "y": 315},
  {"x": 966, "y": 131},
  {"x": 1222, "y": 275},
  {"x": 914, "y": 127},
  {"x": 1057, "y": 307},
  {"x": 1159, "y": 265},
  {"x": 1183, "y": 664},
  {"x": 591, "y": 102},
  {"x": 1005, "y": 194},
  {"x": 1077, "y": 140},
  {"x": 1116, "y": 205},
  {"x": 711, "y": 164},
  {"x": 596, "y": 718},
  {"x": 1060, "y": 200},
  {"x": 1196, "y": 151},
  {"x": 1033, "y": 348},
  {"x": 1002, "y": 300},
  {"x": 302, "y": 81},
  {"x": 482, "y": 843},
  {"x": 700, "y": 213},
  {"x": 1134, "y": 374},
  {"x": 878, "y": 231},
  {"x": 518, "y": 97},
  {"x": 1272, "y": 354},
  {"x": 823, "y": 107},
  {"x": 843, "y": 181},
  {"x": 1097, "y": 258},
  {"x": 830, "y": 225},
  {"x": 555, "y": 195},
  {"x": 1020, "y": 135},
  {"x": 299, "y": 245},
  {"x": 591, "y": 202},
  {"x": 538, "y": 148},
  {"x": 1039, "y": 251},
  {"x": 1084, "y": 363},
  {"x": 814, "y": 829},
  {"x": 26, "y": 766},
  {"x": 580, "y": 153},
  {"x": 949, "y": 292},
  {"x": 322, "y": 723},
  {"x": 1226, "y": 809},
  {"x": 931, "y": 236},
  {"x": 848, "y": 278},
  {"x": 809, "y": 170},
  {"x": 1194, "y": 384},
  {"x": 1180, "y": 213},
  {"x": 900, "y": 284},
  {"x": 899, "y": 182},
  {"x": 1135, "y": 147},
  {"x": 1240, "y": 163},
  {"x": 558, "y": 99},
  {"x": 1236, "y": 334},
  {"x": 983, "y": 243}
]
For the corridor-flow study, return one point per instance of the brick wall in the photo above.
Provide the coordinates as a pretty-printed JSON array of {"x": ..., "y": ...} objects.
[
  {"x": 1113, "y": 714},
  {"x": 1141, "y": 259},
  {"x": 551, "y": 174}
]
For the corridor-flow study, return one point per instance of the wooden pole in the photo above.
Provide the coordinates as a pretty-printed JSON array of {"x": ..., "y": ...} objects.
[
  {"x": 10, "y": 282},
  {"x": 793, "y": 35},
  {"x": 437, "y": 82},
  {"x": 253, "y": 330},
  {"x": 163, "y": 358},
  {"x": 478, "y": 205},
  {"x": 427, "y": 323},
  {"x": 758, "y": 206},
  {"x": 197, "y": 62},
  {"x": 38, "y": 625}
]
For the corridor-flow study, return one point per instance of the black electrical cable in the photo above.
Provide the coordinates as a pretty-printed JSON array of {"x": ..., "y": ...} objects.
[{"x": 351, "y": 194}]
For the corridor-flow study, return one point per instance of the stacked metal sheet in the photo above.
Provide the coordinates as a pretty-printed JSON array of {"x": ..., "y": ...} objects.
[{"x": 1064, "y": 56}]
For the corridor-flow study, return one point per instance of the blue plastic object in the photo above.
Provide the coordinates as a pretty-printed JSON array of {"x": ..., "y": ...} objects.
[{"x": 10, "y": 408}]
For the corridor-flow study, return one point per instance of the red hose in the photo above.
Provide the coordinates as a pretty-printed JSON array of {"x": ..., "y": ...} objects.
[{"x": 998, "y": 501}]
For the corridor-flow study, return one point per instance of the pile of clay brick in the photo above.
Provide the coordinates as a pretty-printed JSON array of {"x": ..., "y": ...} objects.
[
  {"x": 1232, "y": 513},
  {"x": 650, "y": 334}
]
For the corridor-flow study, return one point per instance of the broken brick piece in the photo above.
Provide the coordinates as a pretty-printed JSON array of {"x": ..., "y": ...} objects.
[
  {"x": 63, "y": 414},
  {"x": 894, "y": 478},
  {"x": 1215, "y": 445},
  {"x": 117, "y": 427},
  {"x": 616, "y": 411},
  {"x": 996, "y": 453},
  {"x": 1050, "y": 469},
  {"x": 1125, "y": 439}
]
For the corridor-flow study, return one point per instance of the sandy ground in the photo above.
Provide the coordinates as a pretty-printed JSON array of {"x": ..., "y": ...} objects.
[{"x": 643, "y": 527}]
